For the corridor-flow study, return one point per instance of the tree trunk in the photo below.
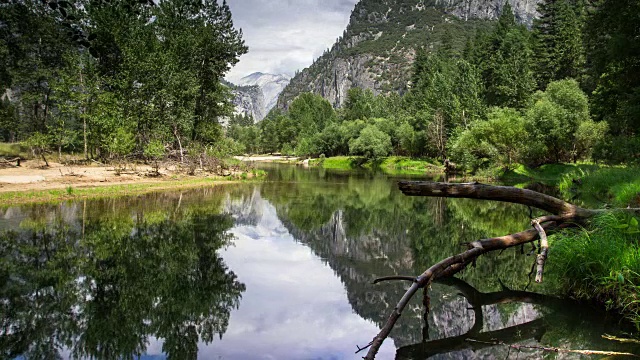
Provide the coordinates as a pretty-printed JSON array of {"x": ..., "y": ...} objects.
[
  {"x": 564, "y": 215},
  {"x": 175, "y": 132},
  {"x": 44, "y": 158},
  {"x": 84, "y": 121}
]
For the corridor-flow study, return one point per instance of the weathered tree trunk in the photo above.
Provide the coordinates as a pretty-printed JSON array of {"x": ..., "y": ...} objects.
[
  {"x": 177, "y": 135},
  {"x": 563, "y": 215}
]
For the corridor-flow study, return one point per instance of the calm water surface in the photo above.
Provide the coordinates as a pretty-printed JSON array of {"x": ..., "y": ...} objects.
[{"x": 276, "y": 270}]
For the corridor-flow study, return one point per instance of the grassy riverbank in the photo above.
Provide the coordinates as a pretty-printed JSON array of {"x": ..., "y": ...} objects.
[
  {"x": 602, "y": 261},
  {"x": 550, "y": 174},
  {"x": 612, "y": 186},
  {"x": 390, "y": 165}
]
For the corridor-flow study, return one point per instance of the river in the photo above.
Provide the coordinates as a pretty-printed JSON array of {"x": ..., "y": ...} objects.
[{"x": 281, "y": 269}]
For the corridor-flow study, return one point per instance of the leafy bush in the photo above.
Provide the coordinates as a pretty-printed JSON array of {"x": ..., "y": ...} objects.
[
  {"x": 553, "y": 120},
  {"x": 372, "y": 143},
  {"x": 498, "y": 140},
  {"x": 618, "y": 150},
  {"x": 155, "y": 151},
  {"x": 39, "y": 144}
]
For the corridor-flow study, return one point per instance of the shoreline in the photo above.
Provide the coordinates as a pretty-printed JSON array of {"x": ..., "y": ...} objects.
[{"x": 31, "y": 184}]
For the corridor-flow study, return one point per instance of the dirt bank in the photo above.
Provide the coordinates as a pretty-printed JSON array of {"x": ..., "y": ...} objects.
[
  {"x": 32, "y": 176},
  {"x": 33, "y": 183}
]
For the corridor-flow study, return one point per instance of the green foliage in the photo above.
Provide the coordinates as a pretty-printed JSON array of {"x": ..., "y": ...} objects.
[
  {"x": 558, "y": 41},
  {"x": 39, "y": 144},
  {"x": 122, "y": 143},
  {"x": 618, "y": 150},
  {"x": 553, "y": 120},
  {"x": 508, "y": 74},
  {"x": 618, "y": 186},
  {"x": 155, "y": 151},
  {"x": 359, "y": 105},
  {"x": 372, "y": 143},
  {"x": 84, "y": 72},
  {"x": 310, "y": 113},
  {"x": 613, "y": 59},
  {"x": 307, "y": 147},
  {"x": 498, "y": 140}
]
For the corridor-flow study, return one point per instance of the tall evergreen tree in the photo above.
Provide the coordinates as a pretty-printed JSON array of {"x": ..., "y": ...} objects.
[
  {"x": 506, "y": 63},
  {"x": 613, "y": 48},
  {"x": 558, "y": 41}
]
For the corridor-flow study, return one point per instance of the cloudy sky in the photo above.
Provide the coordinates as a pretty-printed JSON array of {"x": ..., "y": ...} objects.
[{"x": 286, "y": 35}]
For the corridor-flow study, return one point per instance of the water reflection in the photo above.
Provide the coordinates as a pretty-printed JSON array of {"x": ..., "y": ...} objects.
[
  {"x": 102, "y": 287},
  {"x": 279, "y": 270}
]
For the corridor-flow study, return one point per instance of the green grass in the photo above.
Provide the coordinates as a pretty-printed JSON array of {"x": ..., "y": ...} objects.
[
  {"x": 13, "y": 150},
  {"x": 400, "y": 164},
  {"x": 550, "y": 174},
  {"x": 601, "y": 263},
  {"x": 338, "y": 163},
  {"x": 390, "y": 165},
  {"x": 614, "y": 186}
]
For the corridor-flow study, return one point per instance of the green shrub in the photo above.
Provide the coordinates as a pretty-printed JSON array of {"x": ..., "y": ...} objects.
[
  {"x": 496, "y": 141},
  {"x": 372, "y": 143},
  {"x": 155, "y": 151}
]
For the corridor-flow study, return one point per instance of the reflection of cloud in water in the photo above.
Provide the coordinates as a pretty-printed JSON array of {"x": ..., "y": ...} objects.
[{"x": 294, "y": 306}]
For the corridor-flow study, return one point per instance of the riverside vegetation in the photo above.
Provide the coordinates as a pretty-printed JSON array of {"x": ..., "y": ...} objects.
[{"x": 116, "y": 80}]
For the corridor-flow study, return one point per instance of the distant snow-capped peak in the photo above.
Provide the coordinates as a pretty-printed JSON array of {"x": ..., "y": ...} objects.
[
  {"x": 270, "y": 84},
  {"x": 270, "y": 87}
]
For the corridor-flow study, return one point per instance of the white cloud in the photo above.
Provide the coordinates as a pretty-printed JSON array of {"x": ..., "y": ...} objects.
[
  {"x": 286, "y": 35},
  {"x": 294, "y": 306}
]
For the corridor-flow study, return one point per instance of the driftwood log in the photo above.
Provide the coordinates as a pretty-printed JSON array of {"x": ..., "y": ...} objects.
[{"x": 562, "y": 215}]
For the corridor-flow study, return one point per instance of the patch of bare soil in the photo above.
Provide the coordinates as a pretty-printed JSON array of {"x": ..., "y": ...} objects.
[{"x": 31, "y": 175}]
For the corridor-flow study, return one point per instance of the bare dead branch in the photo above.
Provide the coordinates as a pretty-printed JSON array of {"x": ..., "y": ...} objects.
[
  {"x": 563, "y": 214},
  {"x": 620, "y": 340},
  {"x": 495, "y": 193},
  {"x": 555, "y": 349},
  {"x": 544, "y": 250},
  {"x": 391, "y": 278}
]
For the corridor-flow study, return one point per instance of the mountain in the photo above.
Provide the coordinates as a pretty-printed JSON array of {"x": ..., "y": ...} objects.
[
  {"x": 249, "y": 100},
  {"x": 378, "y": 47},
  {"x": 258, "y": 93}
]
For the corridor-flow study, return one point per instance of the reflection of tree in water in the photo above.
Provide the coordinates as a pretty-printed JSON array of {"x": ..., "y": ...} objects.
[
  {"x": 129, "y": 278},
  {"x": 551, "y": 322},
  {"x": 364, "y": 229}
]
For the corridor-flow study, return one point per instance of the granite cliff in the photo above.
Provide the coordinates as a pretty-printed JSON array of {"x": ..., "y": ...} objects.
[{"x": 378, "y": 47}]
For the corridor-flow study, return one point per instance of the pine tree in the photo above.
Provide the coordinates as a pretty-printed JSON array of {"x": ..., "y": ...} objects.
[
  {"x": 613, "y": 65},
  {"x": 558, "y": 41},
  {"x": 506, "y": 63}
]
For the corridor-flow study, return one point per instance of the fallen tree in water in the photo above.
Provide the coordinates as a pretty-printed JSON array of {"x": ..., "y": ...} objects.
[{"x": 562, "y": 215}]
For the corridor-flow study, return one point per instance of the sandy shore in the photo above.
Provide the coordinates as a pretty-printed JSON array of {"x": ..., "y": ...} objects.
[
  {"x": 267, "y": 158},
  {"x": 31, "y": 176}
]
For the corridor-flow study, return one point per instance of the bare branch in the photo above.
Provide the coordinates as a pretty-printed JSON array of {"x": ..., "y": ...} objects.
[
  {"x": 555, "y": 349},
  {"x": 495, "y": 193},
  {"x": 544, "y": 250},
  {"x": 391, "y": 278},
  {"x": 563, "y": 215}
]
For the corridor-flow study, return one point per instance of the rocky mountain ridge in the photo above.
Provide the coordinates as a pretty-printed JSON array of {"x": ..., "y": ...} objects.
[{"x": 377, "y": 49}]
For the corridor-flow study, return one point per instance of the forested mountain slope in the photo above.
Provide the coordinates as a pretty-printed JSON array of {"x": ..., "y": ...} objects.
[{"x": 379, "y": 45}]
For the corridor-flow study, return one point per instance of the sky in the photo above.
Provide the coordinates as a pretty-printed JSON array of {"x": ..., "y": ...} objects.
[{"x": 286, "y": 35}]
